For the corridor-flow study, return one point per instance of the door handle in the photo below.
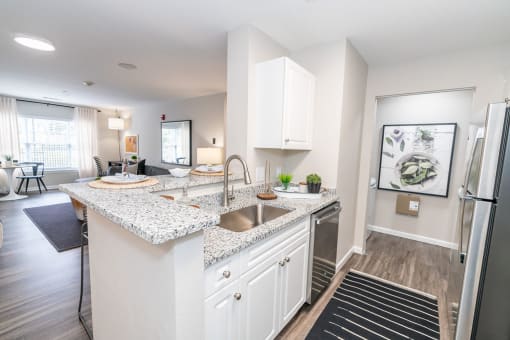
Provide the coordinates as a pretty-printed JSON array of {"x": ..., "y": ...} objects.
[{"x": 335, "y": 211}]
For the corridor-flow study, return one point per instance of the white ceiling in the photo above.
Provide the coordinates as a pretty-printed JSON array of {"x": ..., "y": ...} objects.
[{"x": 180, "y": 46}]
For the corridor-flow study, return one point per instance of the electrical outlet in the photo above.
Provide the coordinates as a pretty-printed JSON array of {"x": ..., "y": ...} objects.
[
  {"x": 278, "y": 171},
  {"x": 259, "y": 173},
  {"x": 414, "y": 205}
]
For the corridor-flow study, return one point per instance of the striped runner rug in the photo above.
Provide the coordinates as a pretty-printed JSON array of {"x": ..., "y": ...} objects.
[{"x": 366, "y": 307}]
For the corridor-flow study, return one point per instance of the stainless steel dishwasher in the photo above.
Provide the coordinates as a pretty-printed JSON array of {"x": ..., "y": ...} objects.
[{"x": 323, "y": 248}]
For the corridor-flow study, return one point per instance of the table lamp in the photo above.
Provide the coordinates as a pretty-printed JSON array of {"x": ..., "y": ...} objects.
[{"x": 209, "y": 156}]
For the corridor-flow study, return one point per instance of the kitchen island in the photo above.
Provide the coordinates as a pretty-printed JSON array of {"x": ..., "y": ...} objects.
[{"x": 149, "y": 256}]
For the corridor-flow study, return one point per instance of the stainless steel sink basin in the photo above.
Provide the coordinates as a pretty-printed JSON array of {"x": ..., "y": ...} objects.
[{"x": 250, "y": 217}]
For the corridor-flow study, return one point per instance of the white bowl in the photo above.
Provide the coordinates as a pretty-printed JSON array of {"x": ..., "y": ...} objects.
[{"x": 179, "y": 172}]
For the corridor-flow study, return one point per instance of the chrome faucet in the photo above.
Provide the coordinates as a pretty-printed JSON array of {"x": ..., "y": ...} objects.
[{"x": 247, "y": 180}]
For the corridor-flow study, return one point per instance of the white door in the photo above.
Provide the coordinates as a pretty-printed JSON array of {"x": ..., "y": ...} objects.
[
  {"x": 298, "y": 107},
  {"x": 294, "y": 279},
  {"x": 260, "y": 307},
  {"x": 222, "y": 314}
]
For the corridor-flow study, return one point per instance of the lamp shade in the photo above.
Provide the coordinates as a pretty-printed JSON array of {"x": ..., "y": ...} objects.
[
  {"x": 209, "y": 156},
  {"x": 115, "y": 123}
]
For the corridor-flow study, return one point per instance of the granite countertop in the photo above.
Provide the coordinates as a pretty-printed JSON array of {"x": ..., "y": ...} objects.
[
  {"x": 146, "y": 214},
  {"x": 157, "y": 220},
  {"x": 220, "y": 243}
]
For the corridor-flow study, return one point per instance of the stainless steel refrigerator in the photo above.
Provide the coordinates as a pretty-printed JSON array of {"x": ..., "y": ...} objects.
[{"x": 478, "y": 292}]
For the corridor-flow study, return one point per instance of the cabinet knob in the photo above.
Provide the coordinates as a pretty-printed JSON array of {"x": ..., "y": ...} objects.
[
  {"x": 281, "y": 263},
  {"x": 286, "y": 259},
  {"x": 237, "y": 296},
  {"x": 226, "y": 274},
  {"x": 287, "y": 140}
]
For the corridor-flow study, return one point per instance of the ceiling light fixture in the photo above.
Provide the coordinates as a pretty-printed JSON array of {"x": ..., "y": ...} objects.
[
  {"x": 87, "y": 83},
  {"x": 127, "y": 66},
  {"x": 34, "y": 42}
]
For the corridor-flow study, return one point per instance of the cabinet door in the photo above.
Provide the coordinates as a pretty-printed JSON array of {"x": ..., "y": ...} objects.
[
  {"x": 260, "y": 302},
  {"x": 294, "y": 279},
  {"x": 298, "y": 108},
  {"x": 222, "y": 314}
]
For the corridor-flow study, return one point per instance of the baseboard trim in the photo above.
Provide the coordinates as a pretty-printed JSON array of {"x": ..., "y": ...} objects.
[
  {"x": 344, "y": 259},
  {"x": 357, "y": 250},
  {"x": 414, "y": 237}
]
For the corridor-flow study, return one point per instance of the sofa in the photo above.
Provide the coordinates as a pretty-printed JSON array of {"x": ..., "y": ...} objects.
[{"x": 141, "y": 169}]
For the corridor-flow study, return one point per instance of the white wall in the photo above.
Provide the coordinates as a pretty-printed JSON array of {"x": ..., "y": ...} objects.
[
  {"x": 206, "y": 113},
  {"x": 326, "y": 62},
  {"x": 247, "y": 46},
  {"x": 487, "y": 68},
  {"x": 437, "y": 215}
]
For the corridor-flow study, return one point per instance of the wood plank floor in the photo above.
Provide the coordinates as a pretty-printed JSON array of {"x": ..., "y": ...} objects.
[
  {"x": 410, "y": 263},
  {"x": 39, "y": 288}
]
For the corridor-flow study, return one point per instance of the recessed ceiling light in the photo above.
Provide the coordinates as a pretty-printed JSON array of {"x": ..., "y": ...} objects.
[
  {"x": 34, "y": 42},
  {"x": 87, "y": 83},
  {"x": 127, "y": 66}
]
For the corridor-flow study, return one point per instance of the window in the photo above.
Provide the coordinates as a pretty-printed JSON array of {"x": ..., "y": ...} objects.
[{"x": 48, "y": 140}]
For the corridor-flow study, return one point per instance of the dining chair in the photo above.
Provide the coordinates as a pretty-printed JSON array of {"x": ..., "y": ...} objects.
[
  {"x": 31, "y": 170},
  {"x": 99, "y": 166}
]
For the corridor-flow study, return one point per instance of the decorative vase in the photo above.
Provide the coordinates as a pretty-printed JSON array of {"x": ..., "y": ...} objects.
[
  {"x": 314, "y": 188},
  {"x": 8, "y": 164},
  {"x": 285, "y": 186}
]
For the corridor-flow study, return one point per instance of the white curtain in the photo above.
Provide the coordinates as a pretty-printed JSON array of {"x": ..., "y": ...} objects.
[
  {"x": 85, "y": 120},
  {"x": 9, "y": 139}
]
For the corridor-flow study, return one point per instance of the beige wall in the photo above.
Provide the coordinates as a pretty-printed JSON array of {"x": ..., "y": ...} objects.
[
  {"x": 326, "y": 62},
  {"x": 339, "y": 99},
  {"x": 437, "y": 215},
  {"x": 247, "y": 46},
  {"x": 355, "y": 80},
  {"x": 487, "y": 68},
  {"x": 206, "y": 114}
]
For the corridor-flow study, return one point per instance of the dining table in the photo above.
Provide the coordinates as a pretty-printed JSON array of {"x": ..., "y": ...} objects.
[{"x": 12, "y": 195}]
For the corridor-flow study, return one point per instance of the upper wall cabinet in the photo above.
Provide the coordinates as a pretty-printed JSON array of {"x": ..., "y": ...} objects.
[{"x": 284, "y": 105}]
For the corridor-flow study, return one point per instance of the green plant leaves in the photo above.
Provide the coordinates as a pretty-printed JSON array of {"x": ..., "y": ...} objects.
[
  {"x": 394, "y": 186},
  {"x": 389, "y": 141},
  {"x": 402, "y": 145},
  {"x": 389, "y": 154}
]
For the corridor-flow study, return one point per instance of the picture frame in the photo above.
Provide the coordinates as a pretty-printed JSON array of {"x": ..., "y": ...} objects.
[
  {"x": 131, "y": 144},
  {"x": 417, "y": 158}
]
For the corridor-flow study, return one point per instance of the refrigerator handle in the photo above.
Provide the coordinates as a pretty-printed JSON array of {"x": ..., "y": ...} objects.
[{"x": 462, "y": 252}]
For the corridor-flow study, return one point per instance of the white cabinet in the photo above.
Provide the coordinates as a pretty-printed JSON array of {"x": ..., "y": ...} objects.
[
  {"x": 294, "y": 280},
  {"x": 259, "y": 303},
  {"x": 222, "y": 313},
  {"x": 284, "y": 105}
]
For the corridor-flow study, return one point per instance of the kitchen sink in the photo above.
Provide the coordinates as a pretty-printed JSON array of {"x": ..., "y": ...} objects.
[{"x": 250, "y": 217}]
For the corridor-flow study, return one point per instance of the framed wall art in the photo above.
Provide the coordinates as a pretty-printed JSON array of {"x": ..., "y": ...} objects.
[
  {"x": 131, "y": 144},
  {"x": 417, "y": 158}
]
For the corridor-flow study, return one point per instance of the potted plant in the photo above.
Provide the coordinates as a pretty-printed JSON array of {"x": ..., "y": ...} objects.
[
  {"x": 314, "y": 183},
  {"x": 134, "y": 158},
  {"x": 285, "y": 179},
  {"x": 8, "y": 160}
]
